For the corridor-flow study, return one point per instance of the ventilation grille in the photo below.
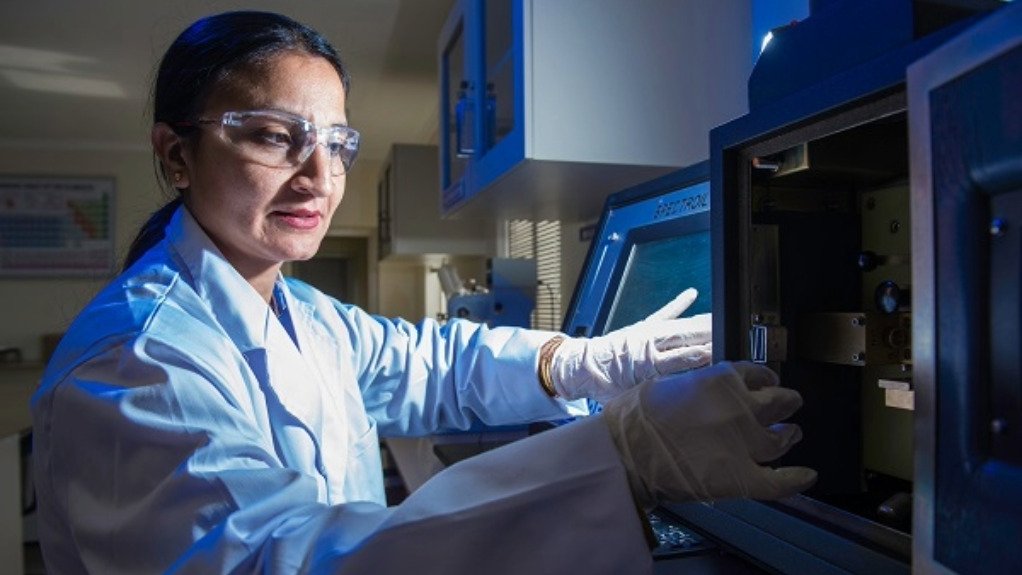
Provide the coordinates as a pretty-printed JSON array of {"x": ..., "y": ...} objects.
[{"x": 540, "y": 241}]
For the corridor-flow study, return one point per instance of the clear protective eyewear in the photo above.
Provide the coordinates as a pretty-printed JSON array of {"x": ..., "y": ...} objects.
[{"x": 281, "y": 140}]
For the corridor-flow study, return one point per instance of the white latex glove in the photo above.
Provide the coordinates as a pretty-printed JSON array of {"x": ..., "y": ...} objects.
[
  {"x": 703, "y": 435},
  {"x": 602, "y": 367}
]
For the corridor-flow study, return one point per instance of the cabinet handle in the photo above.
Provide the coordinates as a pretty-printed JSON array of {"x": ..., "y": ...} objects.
[{"x": 464, "y": 122}]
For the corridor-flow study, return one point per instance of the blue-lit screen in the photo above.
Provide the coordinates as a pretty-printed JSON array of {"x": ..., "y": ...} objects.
[{"x": 656, "y": 271}]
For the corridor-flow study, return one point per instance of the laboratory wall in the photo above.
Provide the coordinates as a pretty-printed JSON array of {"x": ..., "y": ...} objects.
[
  {"x": 574, "y": 248},
  {"x": 32, "y": 307},
  {"x": 35, "y": 306}
]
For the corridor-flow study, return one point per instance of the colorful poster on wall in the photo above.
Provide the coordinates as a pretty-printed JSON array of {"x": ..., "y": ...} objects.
[{"x": 56, "y": 226}]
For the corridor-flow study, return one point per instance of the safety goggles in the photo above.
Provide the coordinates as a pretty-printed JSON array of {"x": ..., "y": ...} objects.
[{"x": 282, "y": 140}]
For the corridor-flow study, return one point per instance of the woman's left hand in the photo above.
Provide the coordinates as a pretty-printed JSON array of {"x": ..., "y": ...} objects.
[{"x": 602, "y": 367}]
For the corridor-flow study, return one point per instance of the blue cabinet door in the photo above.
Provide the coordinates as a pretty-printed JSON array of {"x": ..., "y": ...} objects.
[
  {"x": 482, "y": 98},
  {"x": 502, "y": 106},
  {"x": 458, "y": 86}
]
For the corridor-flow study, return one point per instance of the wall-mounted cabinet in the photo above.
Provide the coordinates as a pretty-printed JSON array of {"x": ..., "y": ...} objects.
[
  {"x": 409, "y": 222},
  {"x": 548, "y": 107}
]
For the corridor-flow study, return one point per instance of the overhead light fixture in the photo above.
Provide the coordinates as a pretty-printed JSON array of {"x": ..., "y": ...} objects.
[
  {"x": 63, "y": 84},
  {"x": 54, "y": 72}
]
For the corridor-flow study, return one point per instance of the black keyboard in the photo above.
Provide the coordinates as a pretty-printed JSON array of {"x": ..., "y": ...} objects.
[{"x": 674, "y": 539}]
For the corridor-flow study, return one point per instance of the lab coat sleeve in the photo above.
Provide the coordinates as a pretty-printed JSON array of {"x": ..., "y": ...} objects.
[
  {"x": 148, "y": 462},
  {"x": 421, "y": 378},
  {"x": 556, "y": 502}
]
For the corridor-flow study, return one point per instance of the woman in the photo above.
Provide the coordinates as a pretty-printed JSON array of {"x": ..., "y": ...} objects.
[{"x": 203, "y": 414}]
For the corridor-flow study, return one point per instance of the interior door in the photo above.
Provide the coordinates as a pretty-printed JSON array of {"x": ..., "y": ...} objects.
[{"x": 339, "y": 269}]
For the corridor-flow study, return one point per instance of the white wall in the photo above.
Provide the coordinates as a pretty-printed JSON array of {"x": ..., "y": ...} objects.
[
  {"x": 356, "y": 216},
  {"x": 33, "y": 307},
  {"x": 573, "y": 257},
  {"x": 402, "y": 290}
]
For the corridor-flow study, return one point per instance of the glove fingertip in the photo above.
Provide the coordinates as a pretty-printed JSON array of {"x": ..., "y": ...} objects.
[
  {"x": 772, "y": 442},
  {"x": 797, "y": 479},
  {"x": 688, "y": 296},
  {"x": 791, "y": 432},
  {"x": 774, "y": 404},
  {"x": 676, "y": 306},
  {"x": 756, "y": 376},
  {"x": 786, "y": 481}
]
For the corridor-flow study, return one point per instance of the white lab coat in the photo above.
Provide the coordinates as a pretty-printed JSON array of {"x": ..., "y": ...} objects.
[{"x": 180, "y": 428}]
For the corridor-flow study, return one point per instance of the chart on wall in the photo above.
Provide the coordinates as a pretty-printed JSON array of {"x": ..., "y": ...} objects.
[{"x": 56, "y": 226}]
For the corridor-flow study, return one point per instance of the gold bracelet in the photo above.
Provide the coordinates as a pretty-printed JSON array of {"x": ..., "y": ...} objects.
[{"x": 546, "y": 360}]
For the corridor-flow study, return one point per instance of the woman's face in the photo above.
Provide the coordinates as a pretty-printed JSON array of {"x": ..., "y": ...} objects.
[{"x": 262, "y": 216}]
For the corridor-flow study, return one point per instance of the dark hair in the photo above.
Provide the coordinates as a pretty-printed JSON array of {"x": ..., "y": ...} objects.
[{"x": 199, "y": 60}]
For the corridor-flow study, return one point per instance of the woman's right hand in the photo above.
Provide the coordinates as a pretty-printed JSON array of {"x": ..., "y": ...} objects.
[{"x": 704, "y": 435}]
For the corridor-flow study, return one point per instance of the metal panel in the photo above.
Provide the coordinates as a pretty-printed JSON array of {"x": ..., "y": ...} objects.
[{"x": 966, "y": 178}]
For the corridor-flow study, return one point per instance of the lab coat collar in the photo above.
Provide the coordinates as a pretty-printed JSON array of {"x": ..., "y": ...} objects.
[{"x": 233, "y": 301}]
